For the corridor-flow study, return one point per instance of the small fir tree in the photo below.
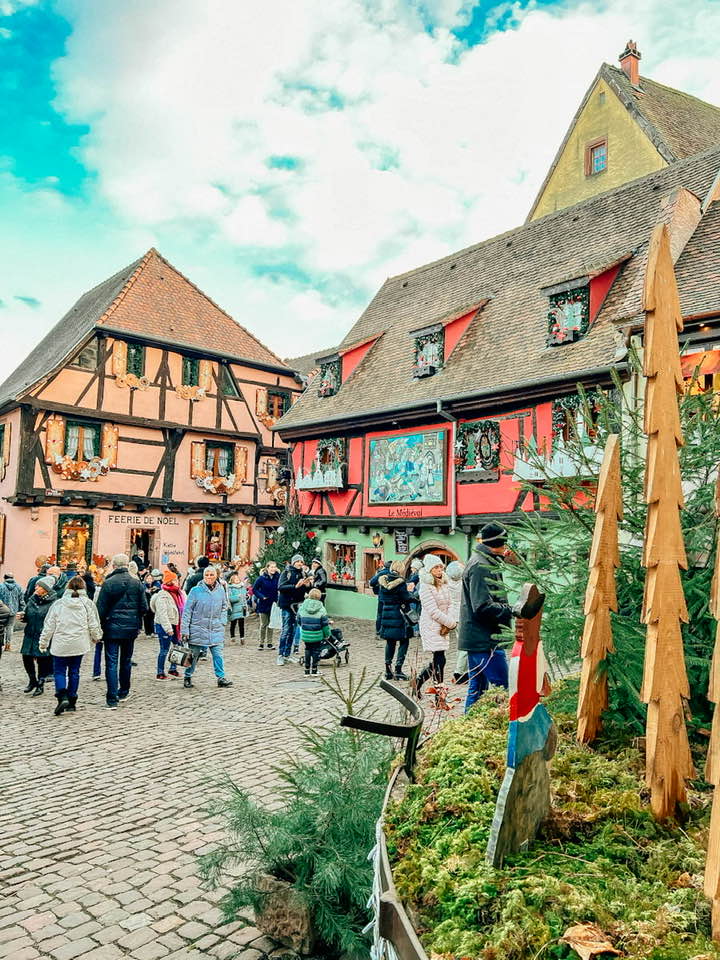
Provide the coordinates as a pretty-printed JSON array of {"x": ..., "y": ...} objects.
[{"x": 280, "y": 547}]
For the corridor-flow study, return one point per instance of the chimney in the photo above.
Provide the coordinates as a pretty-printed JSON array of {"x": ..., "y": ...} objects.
[{"x": 630, "y": 62}]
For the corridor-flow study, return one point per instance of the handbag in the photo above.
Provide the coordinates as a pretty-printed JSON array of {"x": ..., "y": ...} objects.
[
  {"x": 410, "y": 616},
  {"x": 180, "y": 655}
]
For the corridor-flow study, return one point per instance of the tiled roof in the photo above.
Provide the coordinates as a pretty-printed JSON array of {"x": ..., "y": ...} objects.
[
  {"x": 307, "y": 363},
  {"x": 149, "y": 298},
  {"x": 506, "y": 344}
]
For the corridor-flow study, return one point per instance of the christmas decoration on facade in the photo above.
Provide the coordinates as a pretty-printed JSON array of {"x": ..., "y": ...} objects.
[
  {"x": 429, "y": 353},
  {"x": 329, "y": 377},
  {"x": 665, "y": 689},
  {"x": 573, "y": 413},
  {"x": 600, "y": 596},
  {"x": 568, "y": 316},
  {"x": 341, "y": 562},
  {"x": 477, "y": 449},
  {"x": 327, "y": 469}
]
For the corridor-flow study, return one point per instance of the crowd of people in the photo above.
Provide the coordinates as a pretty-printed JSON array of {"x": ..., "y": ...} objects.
[{"x": 66, "y": 613}]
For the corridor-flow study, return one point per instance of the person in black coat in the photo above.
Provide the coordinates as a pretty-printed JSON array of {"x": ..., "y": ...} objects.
[
  {"x": 38, "y": 665},
  {"x": 292, "y": 588},
  {"x": 394, "y": 599},
  {"x": 265, "y": 594},
  {"x": 382, "y": 571},
  {"x": 121, "y": 605},
  {"x": 484, "y": 611},
  {"x": 194, "y": 578},
  {"x": 319, "y": 578}
]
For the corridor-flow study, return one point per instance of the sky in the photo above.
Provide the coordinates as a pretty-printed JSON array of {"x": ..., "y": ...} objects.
[{"x": 288, "y": 156}]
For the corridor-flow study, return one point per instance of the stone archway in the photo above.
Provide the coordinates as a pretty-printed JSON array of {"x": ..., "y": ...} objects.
[{"x": 438, "y": 547}]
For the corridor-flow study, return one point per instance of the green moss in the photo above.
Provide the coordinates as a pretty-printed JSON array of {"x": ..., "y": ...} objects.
[{"x": 601, "y": 857}]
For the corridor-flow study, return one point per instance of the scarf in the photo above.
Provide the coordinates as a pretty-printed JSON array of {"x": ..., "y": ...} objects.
[{"x": 179, "y": 597}]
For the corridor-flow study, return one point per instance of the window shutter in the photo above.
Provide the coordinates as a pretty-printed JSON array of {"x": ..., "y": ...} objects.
[
  {"x": 205, "y": 375},
  {"x": 54, "y": 438},
  {"x": 197, "y": 458},
  {"x": 261, "y": 402},
  {"x": 5, "y": 452},
  {"x": 110, "y": 437},
  {"x": 243, "y": 540},
  {"x": 3, "y": 520},
  {"x": 119, "y": 358},
  {"x": 196, "y": 542},
  {"x": 241, "y": 463}
]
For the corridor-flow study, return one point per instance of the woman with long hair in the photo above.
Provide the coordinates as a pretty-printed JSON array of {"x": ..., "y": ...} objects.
[
  {"x": 436, "y": 620},
  {"x": 71, "y": 627}
]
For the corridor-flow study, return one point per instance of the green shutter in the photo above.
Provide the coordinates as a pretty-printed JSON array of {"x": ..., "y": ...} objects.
[
  {"x": 136, "y": 359},
  {"x": 190, "y": 372}
]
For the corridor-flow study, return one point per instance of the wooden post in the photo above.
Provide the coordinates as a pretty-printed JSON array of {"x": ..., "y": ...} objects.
[
  {"x": 600, "y": 595},
  {"x": 665, "y": 689},
  {"x": 712, "y": 764}
]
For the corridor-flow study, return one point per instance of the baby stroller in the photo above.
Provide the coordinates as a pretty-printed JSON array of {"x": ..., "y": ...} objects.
[{"x": 335, "y": 646}]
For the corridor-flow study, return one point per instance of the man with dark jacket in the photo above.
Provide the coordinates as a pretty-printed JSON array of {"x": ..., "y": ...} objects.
[
  {"x": 292, "y": 588},
  {"x": 484, "y": 610},
  {"x": 193, "y": 579},
  {"x": 382, "y": 571},
  {"x": 121, "y": 606}
]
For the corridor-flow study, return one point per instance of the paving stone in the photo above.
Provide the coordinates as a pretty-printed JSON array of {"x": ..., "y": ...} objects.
[
  {"x": 137, "y": 938},
  {"x": 69, "y": 951}
]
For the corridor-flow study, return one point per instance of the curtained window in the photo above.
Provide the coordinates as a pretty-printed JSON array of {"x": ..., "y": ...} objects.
[
  {"x": 219, "y": 459},
  {"x": 82, "y": 441}
]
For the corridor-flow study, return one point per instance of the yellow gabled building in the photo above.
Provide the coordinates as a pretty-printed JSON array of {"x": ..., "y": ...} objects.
[{"x": 626, "y": 127}]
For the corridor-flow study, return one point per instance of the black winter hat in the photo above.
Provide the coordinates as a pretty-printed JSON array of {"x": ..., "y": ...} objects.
[
  {"x": 493, "y": 534},
  {"x": 203, "y": 562}
]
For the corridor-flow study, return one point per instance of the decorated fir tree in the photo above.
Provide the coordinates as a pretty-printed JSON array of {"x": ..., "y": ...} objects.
[
  {"x": 600, "y": 595},
  {"x": 291, "y": 536},
  {"x": 665, "y": 687}
]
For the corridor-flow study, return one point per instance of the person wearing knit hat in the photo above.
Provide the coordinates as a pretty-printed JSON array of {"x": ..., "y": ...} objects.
[
  {"x": 195, "y": 576},
  {"x": 292, "y": 588},
  {"x": 167, "y": 606},
  {"x": 484, "y": 611},
  {"x": 38, "y": 663}
]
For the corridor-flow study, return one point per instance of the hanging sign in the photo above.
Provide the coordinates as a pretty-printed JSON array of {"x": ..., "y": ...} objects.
[{"x": 402, "y": 541}]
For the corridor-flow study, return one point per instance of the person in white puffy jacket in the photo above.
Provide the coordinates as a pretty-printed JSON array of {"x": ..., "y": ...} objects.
[
  {"x": 71, "y": 627},
  {"x": 436, "y": 620}
]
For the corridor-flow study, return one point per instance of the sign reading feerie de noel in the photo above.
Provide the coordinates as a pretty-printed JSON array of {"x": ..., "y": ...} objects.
[{"x": 143, "y": 520}]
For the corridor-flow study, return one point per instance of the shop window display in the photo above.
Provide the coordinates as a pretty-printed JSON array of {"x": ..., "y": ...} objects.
[{"x": 340, "y": 562}]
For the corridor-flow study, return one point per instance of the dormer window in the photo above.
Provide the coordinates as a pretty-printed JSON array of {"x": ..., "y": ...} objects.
[
  {"x": 429, "y": 351},
  {"x": 569, "y": 315},
  {"x": 329, "y": 376}
]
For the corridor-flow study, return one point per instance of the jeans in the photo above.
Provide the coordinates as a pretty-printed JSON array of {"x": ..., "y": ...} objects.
[
  {"x": 67, "y": 674},
  {"x": 165, "y": 639},
  {"x": 402, "y": 650},
  {"x": 312, "y": 655},
  {"x": 266, "y": 633},
  {"x": 488, "y": 667},
  {"x": 97, "y": 661},
  {"x": 118, "y": 654},
  {"x": 287, "y": 634},
  {"x": 216, "y": 652}
]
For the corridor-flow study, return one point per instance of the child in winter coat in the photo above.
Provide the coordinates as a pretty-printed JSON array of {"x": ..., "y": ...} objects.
[
  {"x": 237, "y": 598},
  {"x": 72, "y": 625},
  {"x": 436, "y": 619},
  {"x": 314, "y": 628}
]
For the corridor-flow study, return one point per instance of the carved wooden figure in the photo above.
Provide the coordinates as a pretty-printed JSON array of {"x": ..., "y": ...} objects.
[
  {"x": 712, "y": 765},
  {"x": 665, "y": 685},
  {"x": 600, "y": 595}
]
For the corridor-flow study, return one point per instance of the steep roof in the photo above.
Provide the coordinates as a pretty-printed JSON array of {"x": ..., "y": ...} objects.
[
  {"x": 505, "y": 345},
  {"x": 148, "y": 298},
  {"x": 307, "y": 363},
  {"x": 676, "y": 123}
]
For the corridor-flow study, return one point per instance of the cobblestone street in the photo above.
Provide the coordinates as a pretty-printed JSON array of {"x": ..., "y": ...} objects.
[{"x": 103, "y": 812}]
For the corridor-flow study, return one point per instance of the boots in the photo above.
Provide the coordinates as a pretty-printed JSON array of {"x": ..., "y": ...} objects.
[
  {"x": 399, "y": 675},
  {"x": 32, "y": 684},
  {"x": 39, "y": 688},
  {"x": 63, "y": 702},
  {"x": 71, "y": 705},
  {"x": 389, "y": 675}
]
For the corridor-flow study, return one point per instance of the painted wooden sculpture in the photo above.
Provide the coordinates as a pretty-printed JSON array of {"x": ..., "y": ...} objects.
[
  {"x": 712, "y": 764},
  {"x": 524, "y": 798},
  {"x": 600, "y": 595},
  {"x": 665, "y": 689}
]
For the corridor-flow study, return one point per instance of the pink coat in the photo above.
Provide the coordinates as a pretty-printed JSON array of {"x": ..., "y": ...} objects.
[{"x": 435, "y": 612}]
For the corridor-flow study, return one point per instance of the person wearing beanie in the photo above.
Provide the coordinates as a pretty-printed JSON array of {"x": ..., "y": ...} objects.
[
  {"x": 30, "y": 588},
  {"x": 436, "y": 621},
  {"x": 292, "y": 588},
  {"x": 38, "y": 663},
  {"x": 194, "y": 578},
  {"x": 167, "y": 606},
  {"x": 484, "y": 611},
  {"x": 454, "y": 572}
]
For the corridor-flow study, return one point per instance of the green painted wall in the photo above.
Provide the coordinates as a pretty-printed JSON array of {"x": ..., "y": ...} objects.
[
  {"x": 630, "y": 154},
  {"x": 348, "y": 603}
]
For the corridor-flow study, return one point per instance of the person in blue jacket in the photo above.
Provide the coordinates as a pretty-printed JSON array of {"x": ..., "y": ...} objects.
[
  {"x": 203, "y": 625},
  {"x": 265, "y": 594}
]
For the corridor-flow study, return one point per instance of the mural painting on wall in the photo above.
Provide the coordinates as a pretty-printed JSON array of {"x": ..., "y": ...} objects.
[
  {"x": 408, "y": 468},
  {"x": 477, "y": 450}
]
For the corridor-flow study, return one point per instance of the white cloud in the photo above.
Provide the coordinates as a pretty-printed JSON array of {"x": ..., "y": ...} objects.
[{"x": 408, "y": 146}]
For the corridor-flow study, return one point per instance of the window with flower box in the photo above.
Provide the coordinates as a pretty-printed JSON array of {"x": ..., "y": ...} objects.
[
  {"x": 573, "y": 414},
  {"x": 220, "y": 459},
  {"x": 328, "y": 466},
  {"x": 568, "y": 315},
  {"x": 340, "y": 562},
  {"x": 82, "y": 441}
]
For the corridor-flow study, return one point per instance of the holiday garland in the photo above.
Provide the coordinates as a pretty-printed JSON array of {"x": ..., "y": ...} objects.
[
  {"x": 329, "y": 378},
  {"x": 566, "y": 324},
  {"x": 437, "y": 339},
  {"x": 477, "y": 445}
]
